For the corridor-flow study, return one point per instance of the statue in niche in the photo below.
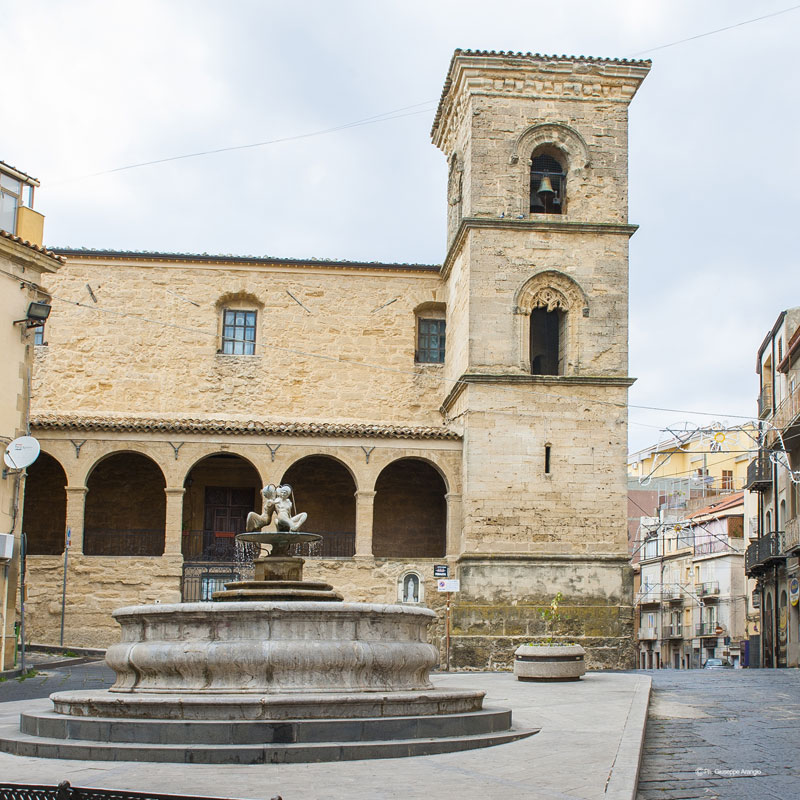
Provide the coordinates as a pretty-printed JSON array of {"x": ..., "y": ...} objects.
[
  {"x": 411, "y": 589},
  {"x": 278, "y": 502}
]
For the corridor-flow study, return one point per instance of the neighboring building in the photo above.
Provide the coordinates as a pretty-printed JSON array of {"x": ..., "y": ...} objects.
[
  {"x": 470, "y": 414},
  {"x": 772, "y": 561},
  {"x": 692, "y": 600},
  {"x": 23, "y": 262}
]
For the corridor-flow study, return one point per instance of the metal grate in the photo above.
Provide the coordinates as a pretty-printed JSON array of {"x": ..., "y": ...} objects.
[{"x": 14, "y": 791}]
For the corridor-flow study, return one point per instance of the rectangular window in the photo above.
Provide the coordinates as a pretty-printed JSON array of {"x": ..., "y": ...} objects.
[
  {"x": 239, "y": 332},
  {"x": 38, "y": 335},
  {"x": 727, "y": 479},
  {"x": 430, "y": 341}
]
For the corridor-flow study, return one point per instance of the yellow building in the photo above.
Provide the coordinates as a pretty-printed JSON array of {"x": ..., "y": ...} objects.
[{"x": 23, "y": 262}]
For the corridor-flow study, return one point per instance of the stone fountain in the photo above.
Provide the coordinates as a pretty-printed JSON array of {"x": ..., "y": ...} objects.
[{"x": 277, "y": 669}]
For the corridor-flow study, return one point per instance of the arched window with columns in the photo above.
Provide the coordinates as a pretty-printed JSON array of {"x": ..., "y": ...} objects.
[{"x": 550, "y": 306}]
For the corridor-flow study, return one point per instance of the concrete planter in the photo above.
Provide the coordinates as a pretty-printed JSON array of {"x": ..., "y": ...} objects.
[{"x": 549, "y": 662}]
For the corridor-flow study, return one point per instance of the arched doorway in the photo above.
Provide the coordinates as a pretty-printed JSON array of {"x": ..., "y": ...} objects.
[
  {"x": 324, "y": 488},
  {"x": 410, "y": 512},
  {"x": 44, "y": 512},
  {"x": 125, "y": 508},
  {"x": 221, "y": 490}
]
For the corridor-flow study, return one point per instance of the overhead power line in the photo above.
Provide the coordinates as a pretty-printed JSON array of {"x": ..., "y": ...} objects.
[{"x": 715, "y": 31}]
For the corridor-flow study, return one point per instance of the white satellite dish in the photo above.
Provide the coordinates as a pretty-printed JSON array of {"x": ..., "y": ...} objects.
[{"x": 21, "y": 452}]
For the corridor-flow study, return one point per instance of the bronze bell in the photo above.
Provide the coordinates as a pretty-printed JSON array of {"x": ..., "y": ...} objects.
[{"x": 545, "y": 187}]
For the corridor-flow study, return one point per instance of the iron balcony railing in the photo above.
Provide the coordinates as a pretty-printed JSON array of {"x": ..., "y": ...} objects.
[
  {"x": 707, "y": 589},
  {"x": 759, "y": 473},
  {"x": 791, "y": 541},
  {"x": 674, "y": 593},
  {"x": 763, "y": 551},
  {"x": 787, "y": 413},
  {"x": 648, "y": 597},
  {"x": 648, "y": 634},
  {"x": 675, "y": 632},
  {"x": 708, "y": 629},
  {"x": 765, "y": 403}
]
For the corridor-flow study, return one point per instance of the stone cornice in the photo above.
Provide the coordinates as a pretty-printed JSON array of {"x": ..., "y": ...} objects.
[
  {"x": 124, "y": 424},
  {"x": 553, "y": 557},
  {"x": 527, "y": 225},
  {"x": 23, "y": 252},
  {"x": 523, "y": 379},
  {"x": 117, "y": 256}
]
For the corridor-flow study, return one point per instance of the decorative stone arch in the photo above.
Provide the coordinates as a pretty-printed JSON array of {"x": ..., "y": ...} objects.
[
  {"x": 240, "y": 299},
  {"x": 125, "y": 508},
  {"x": 44, "y": 514},
  {"x": 551, "y": 138},
  {"x": 410, "y": 510},
  {"x": 325, "y": 488},
  {"x": 411, "y": 588},
  {"x": 552, "y": 290},
  {"x": 220, "y": 489}
]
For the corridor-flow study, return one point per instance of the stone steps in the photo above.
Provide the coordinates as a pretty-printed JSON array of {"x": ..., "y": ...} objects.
[{"x": 51, "y": 735}]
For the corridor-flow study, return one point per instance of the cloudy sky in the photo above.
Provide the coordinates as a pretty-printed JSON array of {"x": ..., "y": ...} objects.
[{"x": 93, "y": 86}]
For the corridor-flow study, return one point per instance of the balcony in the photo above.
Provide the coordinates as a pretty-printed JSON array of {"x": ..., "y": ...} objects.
[
  {"x": 765, "y": 403},
  {"x": 674, "y": 593},
  {"x": 709, "y": 629},
  {"x": 648, "y": 597},
  {"x": 647, "y": 634},
  {"x": 674, "y": 632},
  {"x": 791, "y": 540},
  {"x": 709, "y": 590},
  {"x": 787, "y": 413},
  {"x": 759, "y": 473},
  {"x": 764, "y": 551}
]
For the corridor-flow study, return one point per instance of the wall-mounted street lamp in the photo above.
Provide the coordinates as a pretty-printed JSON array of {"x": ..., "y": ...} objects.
[{"x": 36, "y": 315}]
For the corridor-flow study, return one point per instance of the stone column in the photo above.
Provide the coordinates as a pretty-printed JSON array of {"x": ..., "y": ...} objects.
[
  {"x": 364, "y": 506},
  {"x": 454, "y": 539},
  {"x": 174, "y": 521},
  {"x": 76, "y": 503}
]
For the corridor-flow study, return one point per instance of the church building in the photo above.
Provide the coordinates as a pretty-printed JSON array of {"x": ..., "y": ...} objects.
[{"x": 468, "y": 415}]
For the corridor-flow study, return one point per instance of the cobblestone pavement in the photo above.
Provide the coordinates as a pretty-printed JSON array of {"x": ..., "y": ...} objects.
[{"x": 722, "y": 735}]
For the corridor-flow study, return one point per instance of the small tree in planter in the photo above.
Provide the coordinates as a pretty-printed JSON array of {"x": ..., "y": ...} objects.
[{"x": 547, "y": 660}]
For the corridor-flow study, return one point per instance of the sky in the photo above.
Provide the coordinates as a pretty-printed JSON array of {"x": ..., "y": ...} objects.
[{"x": 93, "y": 86}]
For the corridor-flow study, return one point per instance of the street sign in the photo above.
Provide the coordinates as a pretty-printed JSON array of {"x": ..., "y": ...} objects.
[
  {"x": 794, "y": 591},
  {"x": 448, "y": 585},
  {"x": 441, "y": 571}
]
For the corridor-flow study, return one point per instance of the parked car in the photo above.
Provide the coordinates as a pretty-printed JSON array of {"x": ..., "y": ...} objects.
[{"x": 717, "y": 663}]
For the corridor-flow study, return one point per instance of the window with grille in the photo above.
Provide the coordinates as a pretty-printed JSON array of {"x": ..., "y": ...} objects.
[
  {"x": 238, "y": 332},
  {"x": 430, "y": 341},
  {"x": 547, "y": 185}
]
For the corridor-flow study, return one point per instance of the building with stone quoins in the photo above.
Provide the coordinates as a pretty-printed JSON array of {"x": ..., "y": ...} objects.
[{"x": 470, "y": 413}]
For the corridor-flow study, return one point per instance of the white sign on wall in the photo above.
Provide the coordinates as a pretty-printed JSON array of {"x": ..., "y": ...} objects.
[{"x": 450, "y": 585}]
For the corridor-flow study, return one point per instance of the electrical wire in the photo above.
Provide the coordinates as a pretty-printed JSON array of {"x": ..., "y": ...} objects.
[{"x": 717, "y": 30}]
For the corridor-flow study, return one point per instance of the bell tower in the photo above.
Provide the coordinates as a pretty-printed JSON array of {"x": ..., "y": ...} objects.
[{"x": 537, "y": 341}]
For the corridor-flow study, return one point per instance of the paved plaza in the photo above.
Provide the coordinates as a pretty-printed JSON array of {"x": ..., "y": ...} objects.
[
  {"x": 724, "y": 734},
  {"x": 588, "y": 749}
]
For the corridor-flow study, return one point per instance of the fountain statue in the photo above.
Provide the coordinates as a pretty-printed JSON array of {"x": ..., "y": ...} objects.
[{"x": 276, "y": 669}]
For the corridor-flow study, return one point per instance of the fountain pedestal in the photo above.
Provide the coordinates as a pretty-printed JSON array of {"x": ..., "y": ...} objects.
[{"x": 277, "y": 669}]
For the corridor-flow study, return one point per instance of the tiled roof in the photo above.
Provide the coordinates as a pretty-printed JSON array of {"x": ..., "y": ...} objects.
[
  {"x": 112, "y": 424},
  {"x": 25, "y": 243},
  {"x": 228, "y": 258},
  {"x": 530, "y": 57},
  {"x": 716, "y": 509}
]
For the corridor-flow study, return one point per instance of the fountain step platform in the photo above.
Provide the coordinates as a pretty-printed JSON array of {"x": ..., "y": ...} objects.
[
  {"x": 277, "y": 591},
  {"x": 50, "y": 735}
]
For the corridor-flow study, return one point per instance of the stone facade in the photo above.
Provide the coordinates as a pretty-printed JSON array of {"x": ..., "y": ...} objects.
[{"x": 513, "y": 478}]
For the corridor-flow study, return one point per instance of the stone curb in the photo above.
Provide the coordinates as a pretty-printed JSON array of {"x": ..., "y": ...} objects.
[
  {"x": 84, "y": 656},
  {"x": 623, "y": 779}
]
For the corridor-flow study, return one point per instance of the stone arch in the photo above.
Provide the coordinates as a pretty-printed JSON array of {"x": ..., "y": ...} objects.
[
  {"x": 325, "y": 488},
  {"x": 125, "y": 508},
  {"x": 559, "y": 298},
  {"x": 555, "y": 139},
  {"x": 410, "y": 510},
  {"x": 239, "y": 299},
  {"x": 221, "y": 489},
  {"x": 44, "y": 511}
]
